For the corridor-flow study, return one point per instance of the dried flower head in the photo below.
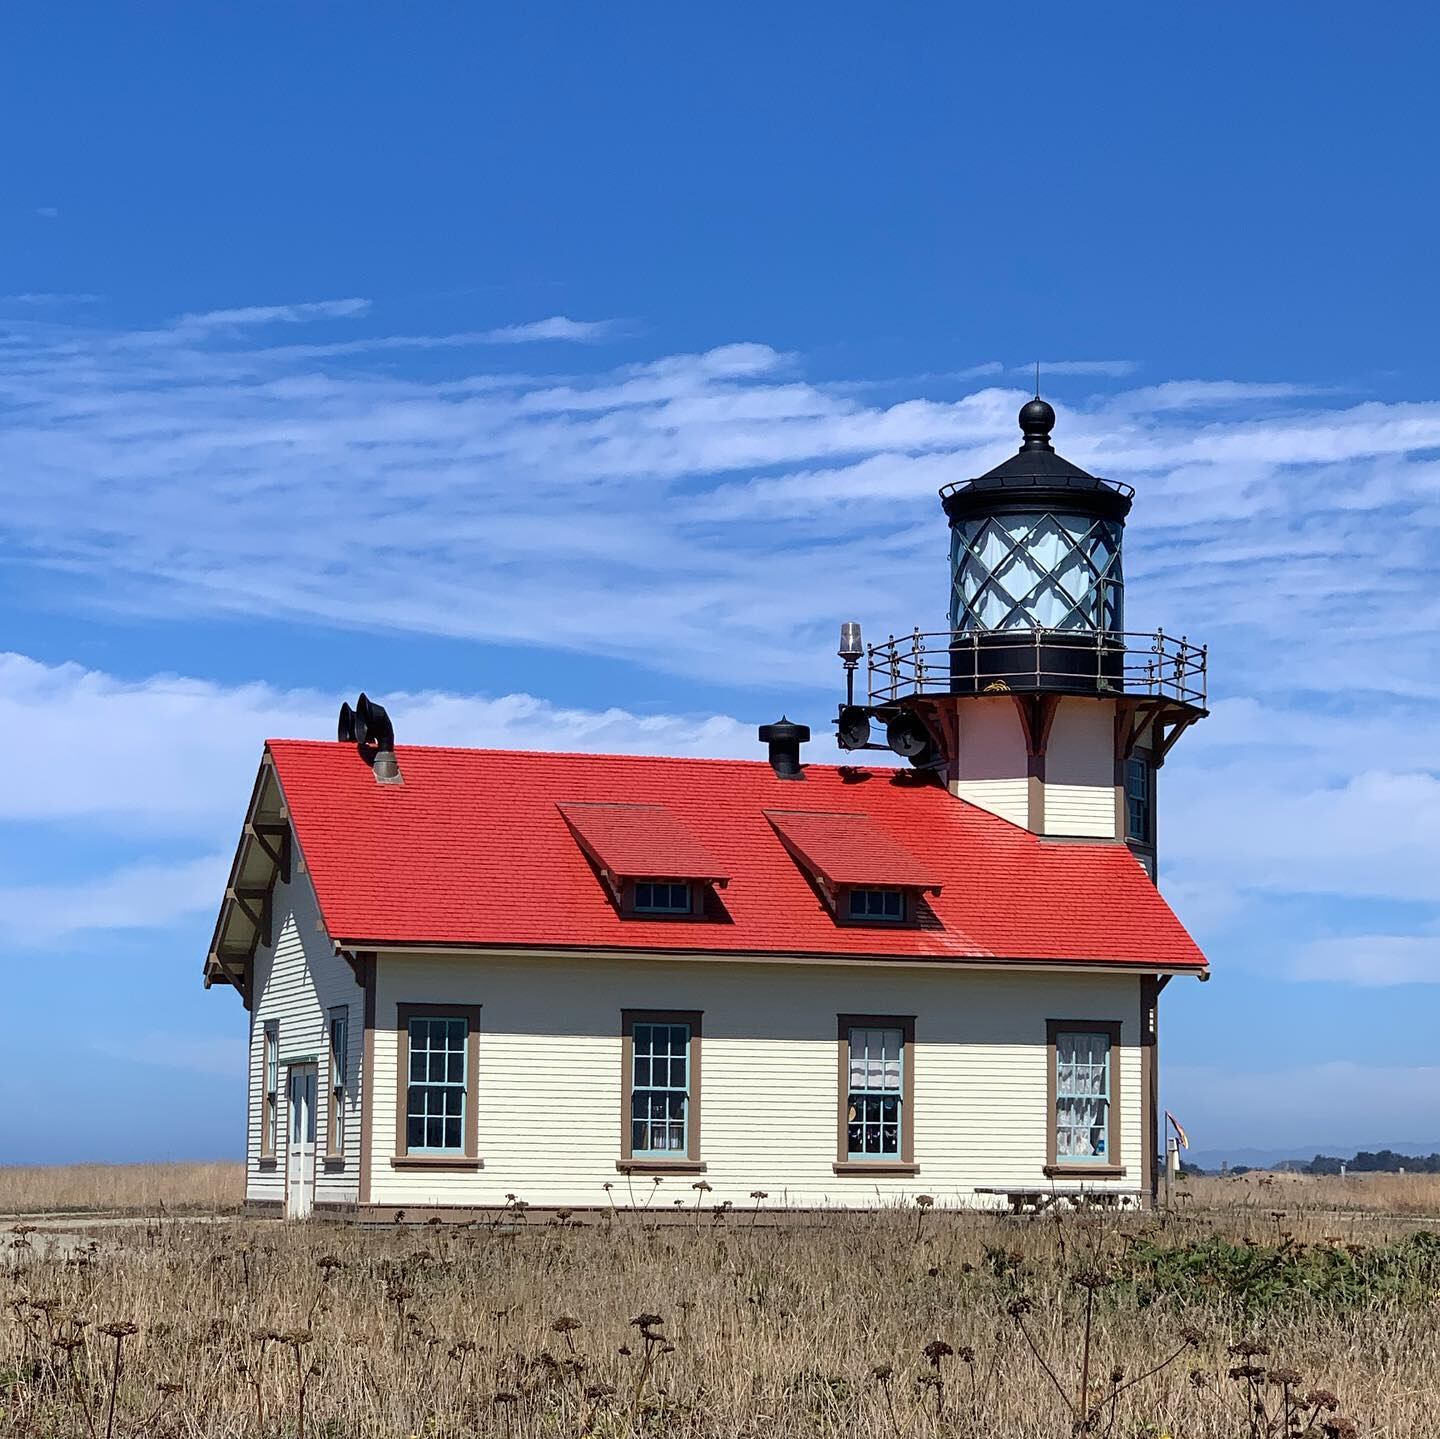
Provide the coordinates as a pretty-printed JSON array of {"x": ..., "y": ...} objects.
[
  {"x": 1286, "y": 1376},
  {"x": 882, "y": 1373},
  {"x": 1248, "y": 1348},
  {"x": 966, "y": 1354},
  {"x": 1322, "y": 1399},
  {"x": 924, "y": 1200},
  {"x": 1019, "y": 1307},
  {"x": 1339, "y": 1427},
  {"x": 120, "y": 1329},
  {"x": 937, "y": 1350},
  {"x": 758, "y": 1194},
  {"x": 565, "y": 1324},
  {"x": 701, "y": 1185},
  {"x": 1192, "y": 1336}
]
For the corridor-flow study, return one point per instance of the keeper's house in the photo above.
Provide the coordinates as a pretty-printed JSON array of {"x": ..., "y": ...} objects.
[{"x": 474, "y": 973}]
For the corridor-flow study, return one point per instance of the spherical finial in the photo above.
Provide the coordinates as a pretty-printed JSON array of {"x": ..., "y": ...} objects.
[{"x": 1037, "y": 419}]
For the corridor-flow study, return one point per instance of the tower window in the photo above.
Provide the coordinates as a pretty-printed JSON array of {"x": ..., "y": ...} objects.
[
  {"x": 881, "y": 904},
  {"x": 1139, "y": 802},
  {"x": 662, "y": 896}
]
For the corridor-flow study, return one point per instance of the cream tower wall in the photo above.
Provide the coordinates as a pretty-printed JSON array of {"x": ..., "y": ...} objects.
[
  {"x": 991, "y": 766},
  {"x": 297, "y": 982},
  {"x": 549, "y": 1086},
  {"x": 1071, "y": 791}
]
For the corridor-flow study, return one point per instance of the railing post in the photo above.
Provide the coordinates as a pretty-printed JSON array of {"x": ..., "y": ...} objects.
[{"x": 917, "y": 660}]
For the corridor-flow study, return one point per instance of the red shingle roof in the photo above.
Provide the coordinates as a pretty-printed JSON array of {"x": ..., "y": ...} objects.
[
  {"x": 473, "y": 849},
  {"x": 641, "y": 841},
  {"x": 850, "y": 849}
]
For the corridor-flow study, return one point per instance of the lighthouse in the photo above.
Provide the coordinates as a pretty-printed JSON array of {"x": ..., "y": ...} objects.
[{"x": 1036, "y": 704}]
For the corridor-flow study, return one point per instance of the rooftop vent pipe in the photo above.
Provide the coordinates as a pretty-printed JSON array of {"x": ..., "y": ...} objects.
[
  {"x": 368, "y": 728},
  {"x": 784, "y": 739}
]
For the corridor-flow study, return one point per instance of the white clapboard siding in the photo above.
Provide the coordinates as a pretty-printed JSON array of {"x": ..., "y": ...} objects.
[
  {"x": 1008, "y": 798},
  {"x": 549, "y": 1083},
  {"x": 1080, "y": 770},
  {"x": 297, "y": 983}
]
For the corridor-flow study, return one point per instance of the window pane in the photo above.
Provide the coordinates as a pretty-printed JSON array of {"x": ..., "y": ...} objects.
[
  {"x": 452, "y": 1134},
  {"x": 1082, "y": 1089},
  {"x": 456, "y": 1072}
]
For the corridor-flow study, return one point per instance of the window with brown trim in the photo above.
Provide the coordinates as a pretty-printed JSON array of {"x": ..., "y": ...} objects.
[
  {"x": 660, "y": 1091},
  {"x": 270, "y": 1104},
  {"x": 339, "y": 1094},
  {"x": 437, "y": 1052},
  {"x": 1083, "y": 1097},
  {"x": 876, "y": 1079}
]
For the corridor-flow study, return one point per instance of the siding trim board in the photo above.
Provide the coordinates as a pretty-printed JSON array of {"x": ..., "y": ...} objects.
[
  {"x": 904, "y": 1163},
  {"x": 648, "y": 1164},
  {"x": 1054, "y": 1166},
  {"x": 368, "y": 963},
  {"x": 470, "y": 1157},
  {"x": 1149, "y": 1084}
]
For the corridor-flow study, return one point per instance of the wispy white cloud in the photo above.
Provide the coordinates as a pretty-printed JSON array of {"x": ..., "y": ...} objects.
[
  {"x": 557, "y": 327},
  {"x": 42, "y": 299},
  {"x": 668, "y": 512},
  {"x": 136, "y": 896},
  {"x": 172, "y": 757},
  {"x": 1115, "y": 369},
  {"x": 1371, "y": 959},
  {"x": 271, "y": 315}
]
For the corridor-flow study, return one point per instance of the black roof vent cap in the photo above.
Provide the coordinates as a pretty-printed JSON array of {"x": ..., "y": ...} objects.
[{"x": 784, "y": 739}]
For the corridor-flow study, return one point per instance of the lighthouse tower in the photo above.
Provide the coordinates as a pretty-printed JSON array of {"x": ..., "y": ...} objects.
[{"x": 1036, "y": 704}]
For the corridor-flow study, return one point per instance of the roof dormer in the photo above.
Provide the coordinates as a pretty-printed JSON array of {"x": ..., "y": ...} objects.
[
  {"x": 862, "y": 874},
  {"x": 650, "y": 862}
]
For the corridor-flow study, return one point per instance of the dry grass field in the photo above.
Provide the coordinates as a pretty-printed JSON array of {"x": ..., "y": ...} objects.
[
  {"x": 121, "y": 1188},
  {"x": 905, "y": 1324}
]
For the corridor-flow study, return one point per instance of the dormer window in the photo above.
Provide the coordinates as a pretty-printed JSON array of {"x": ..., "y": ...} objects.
[
  {"x": 662, "y": 896},
  {"x": 651, "y": 865},
  {"x": 884, "y": 905},
  {"x": 863, "y": 875}
]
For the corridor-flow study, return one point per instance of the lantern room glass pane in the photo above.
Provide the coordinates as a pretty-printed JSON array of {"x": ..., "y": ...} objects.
[{"x": 1036, "y": 571}]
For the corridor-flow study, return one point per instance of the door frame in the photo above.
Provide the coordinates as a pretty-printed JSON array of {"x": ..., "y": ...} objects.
[{"x": 295, "y": 1065}]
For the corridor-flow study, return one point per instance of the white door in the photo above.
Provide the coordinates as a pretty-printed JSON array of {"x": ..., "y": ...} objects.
[{"x": 300, "y": 1154}]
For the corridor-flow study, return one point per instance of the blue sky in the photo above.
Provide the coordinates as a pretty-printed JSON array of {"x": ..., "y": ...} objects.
[{"x": 568, "y": 373}]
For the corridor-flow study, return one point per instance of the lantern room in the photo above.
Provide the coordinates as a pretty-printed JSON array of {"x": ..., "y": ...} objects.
[{"x": 1036, "y": 703}]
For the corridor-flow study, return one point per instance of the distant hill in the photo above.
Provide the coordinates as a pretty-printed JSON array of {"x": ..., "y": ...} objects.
[{"x": 1298, "y": 1154}]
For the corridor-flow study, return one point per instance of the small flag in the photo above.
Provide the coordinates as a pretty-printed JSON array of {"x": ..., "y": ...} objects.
[{"x": 1179, "y": 1130}]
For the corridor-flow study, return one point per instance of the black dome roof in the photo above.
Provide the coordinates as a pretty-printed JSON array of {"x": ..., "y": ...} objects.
[{"x": 1037, "y": 476}]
